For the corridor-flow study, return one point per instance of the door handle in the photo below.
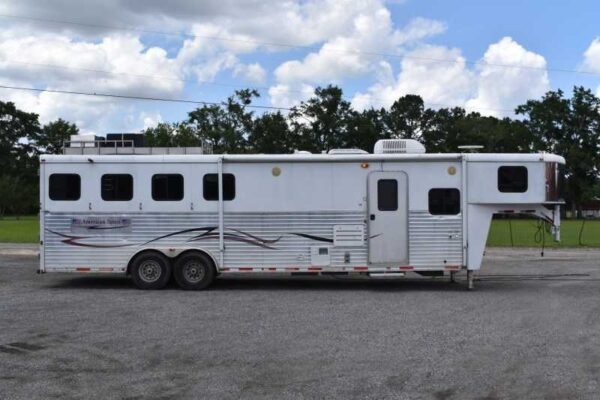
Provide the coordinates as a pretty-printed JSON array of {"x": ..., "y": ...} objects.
[{"x": 372, "y": 217}]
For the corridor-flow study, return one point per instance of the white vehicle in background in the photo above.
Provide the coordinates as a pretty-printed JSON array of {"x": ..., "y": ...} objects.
[{"x": 152, "y": 214}]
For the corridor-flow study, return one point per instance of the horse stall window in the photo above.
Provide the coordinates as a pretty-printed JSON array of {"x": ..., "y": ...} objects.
[
  {"x": 116, "y": 187},
  {"x": 387, "y": 195},
  {"x": 167, "y": 187},
  {"x": 64, "y": 187},
  {"x": 444, "y": 201},
  {"x": 210, "y": 187},
  {"x": 512, "y": 179}
]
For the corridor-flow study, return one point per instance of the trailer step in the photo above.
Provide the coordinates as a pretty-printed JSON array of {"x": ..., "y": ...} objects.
[{"x": 386, "y": 274}]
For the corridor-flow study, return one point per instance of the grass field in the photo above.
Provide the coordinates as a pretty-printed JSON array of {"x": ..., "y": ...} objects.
[
  {"x": 524, "y": 233},
  {"x": 25, "y": 230}
]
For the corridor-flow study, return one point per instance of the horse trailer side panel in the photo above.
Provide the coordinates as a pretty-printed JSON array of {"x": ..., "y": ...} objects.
[
  {"x": 251, "y": 239},
  {"x": 435, "y": 241}
]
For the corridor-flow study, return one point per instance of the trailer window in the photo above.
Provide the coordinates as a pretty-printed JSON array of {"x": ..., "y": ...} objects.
[
  {"x": 64, "y": 187},
  {"x": 210, "y": 187},
  {"x": 444, "y": 201},
  {"x": 387, "y": 195},
  {"x": 167, "y": 187},
  {"x": 512, "y": 179},
  {"x": 116, "y": 187}
]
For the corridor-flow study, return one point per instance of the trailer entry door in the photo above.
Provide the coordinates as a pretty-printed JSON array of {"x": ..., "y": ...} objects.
[{"x": 388, "y": 217}]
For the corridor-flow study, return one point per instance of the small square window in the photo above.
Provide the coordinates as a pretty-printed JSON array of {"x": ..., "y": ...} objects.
[
  {"x": 167, "y": 187},
  {"x": 444, "y": 201},
  {"x": 387, "y": 195},
  {"x": 210, "y": 187},
  {"x": 64, "y": 187},
  {"x": 512, "y": 179},
  {"x": 116, "y": 187}
]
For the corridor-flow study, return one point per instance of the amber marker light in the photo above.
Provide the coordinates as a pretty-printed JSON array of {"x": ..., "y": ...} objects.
[{"x": 364, "y": 165}]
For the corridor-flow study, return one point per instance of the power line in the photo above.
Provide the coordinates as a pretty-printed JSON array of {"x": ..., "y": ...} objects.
[
  {"x": 128, "y": 97},
  {"x": 287, "y": 45},
  {"x": 378, "y": 100},
  {"x": 202, "y": 102}
]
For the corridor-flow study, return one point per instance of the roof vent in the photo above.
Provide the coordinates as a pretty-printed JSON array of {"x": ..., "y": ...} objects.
[
  {"x": 398, "y": 146},
  {"x": 346, "y": 151}
]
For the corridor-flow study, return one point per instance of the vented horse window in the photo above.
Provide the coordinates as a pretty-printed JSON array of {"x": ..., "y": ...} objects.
[
  {"x": 167, "y": 187},
  {"x": 444, "y": 201},
  {"x": 117, "y": 187},
  {"x": 387, "y": 195},
  {"x": 64, "y": 187},
  {"x": 512, "y": 179},
  {"x": 210, "y": 185}
]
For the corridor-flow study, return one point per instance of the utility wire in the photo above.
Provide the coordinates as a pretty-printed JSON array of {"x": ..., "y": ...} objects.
[
  {"x": 287, "y": 45},
  {"x": 379, "y": 101},
  {"x": 122, "y": 96}
]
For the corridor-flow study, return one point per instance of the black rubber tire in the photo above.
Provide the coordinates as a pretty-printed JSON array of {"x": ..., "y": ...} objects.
[
  {"x": 143, "y": 264},
  {"x": 202, "y": 267}
]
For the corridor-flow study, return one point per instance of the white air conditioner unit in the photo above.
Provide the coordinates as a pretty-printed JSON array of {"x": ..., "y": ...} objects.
[{"x": 398, "y": 146}]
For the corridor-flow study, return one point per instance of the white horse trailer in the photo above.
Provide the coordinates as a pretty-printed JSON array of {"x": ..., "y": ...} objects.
[{"x": 198, "y": 216}]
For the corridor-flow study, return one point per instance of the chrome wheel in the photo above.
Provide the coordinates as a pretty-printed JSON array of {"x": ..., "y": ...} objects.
[
  {"x": 150, "y": 271},
  {"x": 193, "y": 271}
]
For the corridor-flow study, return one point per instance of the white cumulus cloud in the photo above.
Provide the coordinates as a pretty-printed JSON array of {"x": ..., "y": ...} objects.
[
  {"x": 591, "y": 59},
  {"x": 423, "y": 72},
  {"x": 287, "y": 96},
  {"x": 357, "y": 50},
  {"x": 508, "y": 75},
  {"x": 252, "y": 73}
]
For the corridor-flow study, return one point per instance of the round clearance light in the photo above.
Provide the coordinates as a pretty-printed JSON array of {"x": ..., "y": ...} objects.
[
  {"x": 276, "y": 171},
  {"x": 452, "y": 170},
  {"x": 364, "y": 165}
]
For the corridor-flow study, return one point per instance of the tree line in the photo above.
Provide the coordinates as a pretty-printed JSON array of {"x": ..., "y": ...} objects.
[{"x": 569, "y": 126}]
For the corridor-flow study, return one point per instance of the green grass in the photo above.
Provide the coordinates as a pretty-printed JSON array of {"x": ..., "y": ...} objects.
[
  {"x": 23, "y": 230},
  {"x": 26, "y": 230},
  {"x": 524, "y": 233}
]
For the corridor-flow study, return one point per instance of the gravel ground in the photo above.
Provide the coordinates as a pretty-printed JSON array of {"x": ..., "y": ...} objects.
[{"x": 530, "y": 330}]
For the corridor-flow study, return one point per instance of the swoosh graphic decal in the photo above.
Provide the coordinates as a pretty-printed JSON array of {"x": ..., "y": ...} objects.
[
  {"x": 208, "y": 233},
  {"x": 312, "y": 237}
]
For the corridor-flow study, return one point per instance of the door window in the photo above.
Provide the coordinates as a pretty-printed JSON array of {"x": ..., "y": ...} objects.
[{"x": 387, "y": 194}]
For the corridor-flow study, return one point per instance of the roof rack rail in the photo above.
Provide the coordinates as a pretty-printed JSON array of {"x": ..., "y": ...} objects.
[{"x": 122, "y": 147}]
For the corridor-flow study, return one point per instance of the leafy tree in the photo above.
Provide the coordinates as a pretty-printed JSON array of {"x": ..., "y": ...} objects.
[
  {"x": 321, "y": 122},
  {"x": 18, "y": 131},
  {"x": 407, "y": 118},
  {"x": 225, "y": 127},
  {"x": 364, "y": 129},
  {"x": 160, "y": 136},
  {"x": 571, "y": 128},
  {"x": 54, "y": 134},
  {"x": 8, "y": 189},
  {"x": 270, "y": 134},
  {"x": 444, "y": 132}
]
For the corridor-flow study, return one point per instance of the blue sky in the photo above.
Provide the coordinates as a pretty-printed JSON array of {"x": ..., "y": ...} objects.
[
  {"x": 559, "y": 30},
  {"x": 341, "y": 42}
]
